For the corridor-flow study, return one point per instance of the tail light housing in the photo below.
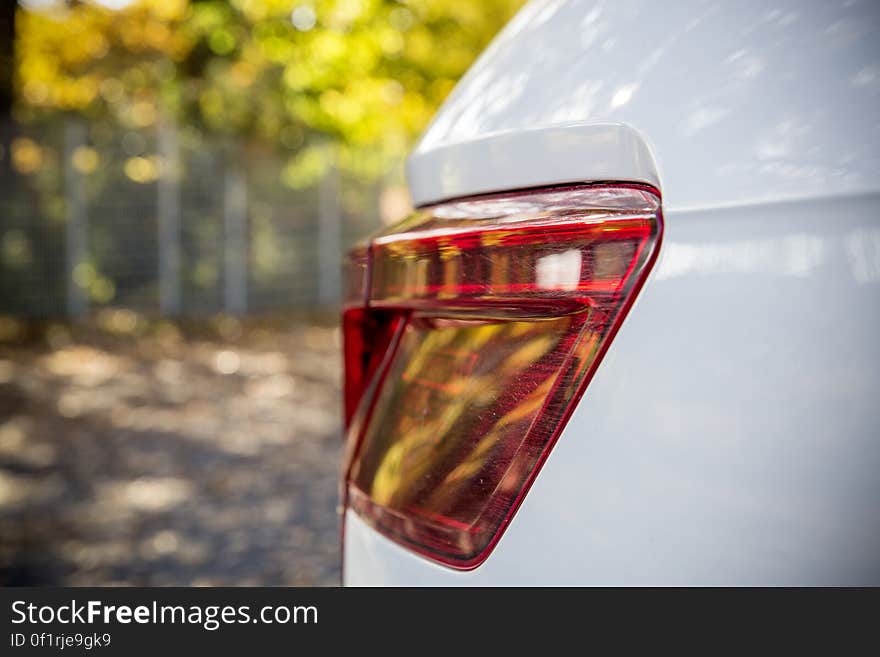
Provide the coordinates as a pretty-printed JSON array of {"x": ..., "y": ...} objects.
[{"x": 471, "y": 329}]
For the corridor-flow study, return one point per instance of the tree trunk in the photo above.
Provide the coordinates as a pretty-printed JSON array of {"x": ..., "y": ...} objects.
[{"x": 7, "y": 58}]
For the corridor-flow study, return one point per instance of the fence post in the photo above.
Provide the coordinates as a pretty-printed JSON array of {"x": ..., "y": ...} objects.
[
  {"x": 235, "y": 242},
  {"x": 76, "y": 221},
  {"x": 169, "y": 219},
  {"x": 329, "y": 234}
]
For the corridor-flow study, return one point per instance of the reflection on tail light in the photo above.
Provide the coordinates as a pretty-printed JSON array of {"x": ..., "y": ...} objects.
[{"x": 471, "y": 330}]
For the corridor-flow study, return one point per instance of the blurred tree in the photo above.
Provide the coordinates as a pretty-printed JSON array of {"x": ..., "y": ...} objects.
[
  {"x": 7, "y": 39},
  {"x": 364, "y": 74},
  {"x": 130, "y": 111}
]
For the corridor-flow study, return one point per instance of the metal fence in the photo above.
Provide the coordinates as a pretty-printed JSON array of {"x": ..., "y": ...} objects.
[{"x": 164, "y": 223}]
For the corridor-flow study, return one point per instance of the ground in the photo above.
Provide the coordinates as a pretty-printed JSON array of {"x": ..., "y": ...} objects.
[{"x": 150, "y": 453}]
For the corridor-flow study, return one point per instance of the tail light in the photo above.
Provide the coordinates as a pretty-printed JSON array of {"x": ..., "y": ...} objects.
[{"x": 471, "y": 330}]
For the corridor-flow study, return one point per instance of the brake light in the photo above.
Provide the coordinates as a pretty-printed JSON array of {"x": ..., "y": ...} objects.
[{"x": 470, "y": 335}]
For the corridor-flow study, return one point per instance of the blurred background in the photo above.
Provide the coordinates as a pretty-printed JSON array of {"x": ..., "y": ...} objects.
[{"x": 178, "y": 182}]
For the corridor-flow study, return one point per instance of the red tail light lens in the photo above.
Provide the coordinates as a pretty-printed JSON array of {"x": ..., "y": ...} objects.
[{"x": 479, "y": 325}]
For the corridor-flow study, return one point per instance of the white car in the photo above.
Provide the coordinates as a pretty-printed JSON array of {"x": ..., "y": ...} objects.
[{"x": 632, "y": 334}]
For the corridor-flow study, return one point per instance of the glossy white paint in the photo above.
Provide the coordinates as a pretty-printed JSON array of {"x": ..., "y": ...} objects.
[
  {"x": 741, "y": 101},
  {"x": 560, "y": 153},
  {"x": 732, "y": 433}
]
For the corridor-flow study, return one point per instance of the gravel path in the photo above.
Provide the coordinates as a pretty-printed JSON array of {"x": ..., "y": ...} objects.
[{"x": 144, "y": 454}]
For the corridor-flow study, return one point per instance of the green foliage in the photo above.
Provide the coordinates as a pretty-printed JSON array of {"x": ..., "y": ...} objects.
[{"x": 365, "y": 75}]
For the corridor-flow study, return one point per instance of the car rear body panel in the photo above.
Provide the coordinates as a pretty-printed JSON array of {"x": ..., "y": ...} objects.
[
  {"x": 731, "y": 435},
  {"x": 739, "y": 102}
]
